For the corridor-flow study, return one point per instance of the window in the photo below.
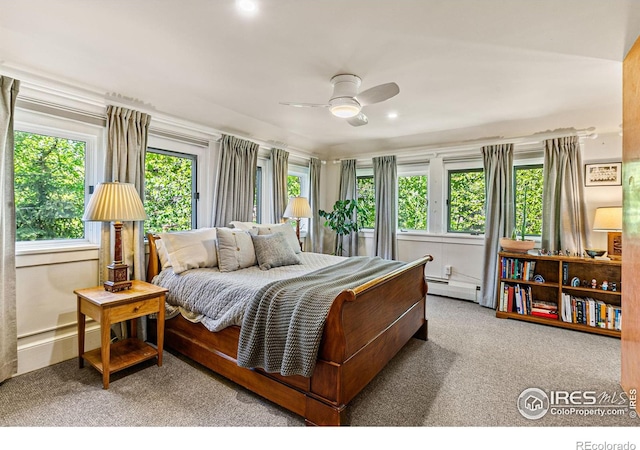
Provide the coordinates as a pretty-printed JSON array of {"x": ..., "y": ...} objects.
[
  {"x": 49, "y": 186},
  {"x": 170, "y": 191},
  {"x": 366, "y": 201},
  {"x": 466, "y": 201},
  {"x": 528, "y": 183},
  {"x": 293, "y": 186},
  {"x": 412, "y": 202}
]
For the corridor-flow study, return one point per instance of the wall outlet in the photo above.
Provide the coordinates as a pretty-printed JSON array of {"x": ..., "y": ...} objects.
[{"x": 447, "y": 270}]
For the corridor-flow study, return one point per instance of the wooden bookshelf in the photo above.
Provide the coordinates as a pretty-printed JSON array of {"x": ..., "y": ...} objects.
[{"x": 559, "y": 272}]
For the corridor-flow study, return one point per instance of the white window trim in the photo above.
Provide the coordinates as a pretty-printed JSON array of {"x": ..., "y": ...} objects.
[
  {"x": 449, "y": 167},
  {"x": 67, "y": 129}
]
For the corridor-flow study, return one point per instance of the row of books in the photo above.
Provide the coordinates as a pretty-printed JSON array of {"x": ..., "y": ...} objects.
[
  {"x": 588, "y": 311},
  {"x": 517, "y": 269},
  {"x": 519, "y": 299}
]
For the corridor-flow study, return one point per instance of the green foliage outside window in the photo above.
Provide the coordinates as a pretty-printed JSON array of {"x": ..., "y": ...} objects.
[
  {"x": 366, "y": 202},
  {"x": 412, "y": 202},
  {"x": 293, "y": 186},
  {"x": 466, "y": 201},
  {"x": 528, "y": 183},
  {"x": 168, "y": 192},
  {"x": 49, "y": 187}
]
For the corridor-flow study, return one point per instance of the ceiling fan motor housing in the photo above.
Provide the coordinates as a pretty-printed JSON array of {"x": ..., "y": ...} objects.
[
  {"x": 345, "y": 85},
  {"x": 342, "y": 103}
]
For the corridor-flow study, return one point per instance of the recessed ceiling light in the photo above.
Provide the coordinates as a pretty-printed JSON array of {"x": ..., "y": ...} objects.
[
  {"x": 392, "y": 115},
  {"x": 247, "y": 6}
]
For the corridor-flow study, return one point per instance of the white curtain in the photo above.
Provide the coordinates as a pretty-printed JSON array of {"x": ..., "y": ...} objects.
[
  {"x": 499, "y": 213},
  {"x": 8, "y": 326},
  {"x": 236, "y": 181},
  {"x": 563, "y": 210},
  {"x": 279, "y": 172},
  {"x": 348, "y": 191},
  {"x": 313, "y": 237},
  {"x": 386, "y": 215}
]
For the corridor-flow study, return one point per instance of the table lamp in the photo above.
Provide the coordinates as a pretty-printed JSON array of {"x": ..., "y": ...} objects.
[
  {"x": 115, "y": 202},
  {"x": 609, "y": 219},
  {"x": 298, "y": 208}
]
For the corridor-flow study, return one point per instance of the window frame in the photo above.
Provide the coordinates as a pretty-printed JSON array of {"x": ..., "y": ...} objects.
[
  {"x": 302, "y": 172},
  {"x": 459, "y": 168},
  {"x": 194, "y": 177},
  {"x": 536, "y": 163},
  {"x": 367, "y": 173},
  {"x": 60, "y": 127},
  {"x": 412, "y": 170}
]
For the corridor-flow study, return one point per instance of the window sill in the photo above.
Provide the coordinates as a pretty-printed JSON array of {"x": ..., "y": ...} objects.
[{"x": 46, "y": 247}]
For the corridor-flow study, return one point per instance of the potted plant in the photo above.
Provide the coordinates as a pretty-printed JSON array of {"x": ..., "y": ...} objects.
[
  {"x": 342, "y": 220},
  {"x": 513, "y": 244}
]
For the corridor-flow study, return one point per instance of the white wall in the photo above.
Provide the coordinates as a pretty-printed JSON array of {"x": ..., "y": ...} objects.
[{"x": 606, "y": 148}]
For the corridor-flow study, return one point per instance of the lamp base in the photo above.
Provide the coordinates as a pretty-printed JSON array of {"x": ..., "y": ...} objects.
[
  {"x": 117, "y": 278},
  {"x": 614, "y": 247}
]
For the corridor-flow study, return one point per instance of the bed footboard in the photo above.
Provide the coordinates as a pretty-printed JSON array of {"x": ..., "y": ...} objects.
[{"x": 364, "y": 330}]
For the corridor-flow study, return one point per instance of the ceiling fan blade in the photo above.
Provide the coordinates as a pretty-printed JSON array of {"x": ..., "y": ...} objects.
[
  {"x": 358, "y": 120},
  {"x": 378, "y": 94},
  {"x": 304, "y": 105}
]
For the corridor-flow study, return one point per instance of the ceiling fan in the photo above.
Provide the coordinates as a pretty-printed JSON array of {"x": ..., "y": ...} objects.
[{"x": 347, "y": 103}]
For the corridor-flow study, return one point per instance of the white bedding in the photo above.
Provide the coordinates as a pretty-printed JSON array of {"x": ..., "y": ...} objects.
[{"x": 219, "y": 300}]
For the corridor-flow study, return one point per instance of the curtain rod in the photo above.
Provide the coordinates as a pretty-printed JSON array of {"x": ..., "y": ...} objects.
[{"x": 435, "y": 150}]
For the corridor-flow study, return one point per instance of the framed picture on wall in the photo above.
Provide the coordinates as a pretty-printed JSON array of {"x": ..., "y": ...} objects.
[{"x": 603, "y": 174}]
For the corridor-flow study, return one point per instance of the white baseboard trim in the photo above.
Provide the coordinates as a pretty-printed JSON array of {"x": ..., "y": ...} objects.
[
  {"x": 462, "y": 291},
  {"x": 52, "y": 348}
]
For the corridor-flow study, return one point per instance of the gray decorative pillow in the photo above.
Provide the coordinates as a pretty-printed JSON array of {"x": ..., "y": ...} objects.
[
  {"x": 235, "y": 250},
  {"x": 273, "y": 250},
  {"x": 285, "y": 228}
]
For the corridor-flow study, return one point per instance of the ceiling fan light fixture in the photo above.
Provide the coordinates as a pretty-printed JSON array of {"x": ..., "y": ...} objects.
[{"x": 344, "y": 107}]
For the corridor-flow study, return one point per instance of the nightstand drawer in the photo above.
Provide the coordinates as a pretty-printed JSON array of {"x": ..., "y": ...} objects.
[{"x": 134, "y": 309}]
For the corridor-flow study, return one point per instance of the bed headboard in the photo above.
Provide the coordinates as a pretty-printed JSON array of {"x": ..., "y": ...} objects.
[{"x": 153, "y": 267}]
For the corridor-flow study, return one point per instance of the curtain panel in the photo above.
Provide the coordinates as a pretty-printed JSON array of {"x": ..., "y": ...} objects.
[
  {"x": 348, "y": 191},
  {"x": 314, "y": 236},
  {"x": 499, "y": 213},
  {"x": 8, "y": 326},
  {"x": 280, "y": 172},
  {"x": 385, "y": 179},
  {"x": 236, "y": 181},
  {"x": 563, "y": 210},
  {"x": 127, "y": 135}
]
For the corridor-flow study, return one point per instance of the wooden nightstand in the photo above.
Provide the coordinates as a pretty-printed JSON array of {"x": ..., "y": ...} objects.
[{"x": 113, "y": 307}]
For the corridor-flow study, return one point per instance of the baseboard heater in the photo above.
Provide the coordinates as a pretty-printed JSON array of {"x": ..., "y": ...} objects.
[{"x": 453, "y": 289}]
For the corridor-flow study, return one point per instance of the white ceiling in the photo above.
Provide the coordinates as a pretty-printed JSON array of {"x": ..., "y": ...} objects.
[{"x": 467, "y": 69}]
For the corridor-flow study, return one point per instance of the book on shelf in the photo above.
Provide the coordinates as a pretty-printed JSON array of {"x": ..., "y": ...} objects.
[
  {"x": 517, "y": 269},
  {"x": 590, "y": 312},
  {"x": 544, "y": 313}
]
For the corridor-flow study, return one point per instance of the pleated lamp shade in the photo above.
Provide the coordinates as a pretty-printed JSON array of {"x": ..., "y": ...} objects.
[
  {"x": 298, "y": 208},
  {"x": 114, "y": 202}
]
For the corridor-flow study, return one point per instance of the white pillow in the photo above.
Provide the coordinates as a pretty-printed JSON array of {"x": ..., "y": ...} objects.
[
  {"x": 191, "y": 249},
  {"x": 162, "y": 254},
  {"x": 235, "y": 249},
  {"x": 288, "y": 231},
  {"x": 246, "y": 226}
]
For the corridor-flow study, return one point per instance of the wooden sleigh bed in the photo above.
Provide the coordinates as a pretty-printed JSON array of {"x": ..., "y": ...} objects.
[{"x": 364, "y": 329}]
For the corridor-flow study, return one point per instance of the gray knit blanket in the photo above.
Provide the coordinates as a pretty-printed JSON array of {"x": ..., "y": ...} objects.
[{"x": 283, "y": 323}]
